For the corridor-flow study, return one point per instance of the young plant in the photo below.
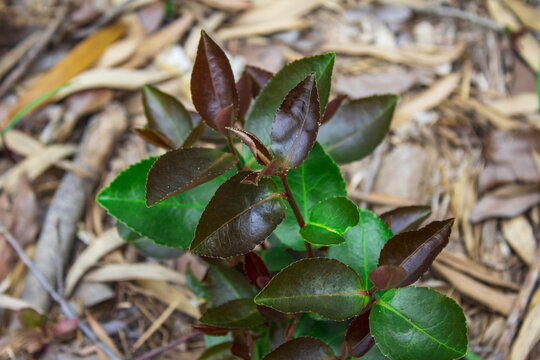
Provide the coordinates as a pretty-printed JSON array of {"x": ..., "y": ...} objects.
[{"x": 297, "y": 270}]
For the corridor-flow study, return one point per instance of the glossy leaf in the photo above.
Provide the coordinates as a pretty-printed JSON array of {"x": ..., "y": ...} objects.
[
  {"x": 224, "y": 119},
  {"x": 302, "y": 348},
  {"x": 257, "y": 148},
  {"x": 358, "y": 339},
  {"x": 387, "y": 277},
  {"x": 238, "y": 218},
  {"x": 166, "y": 114},
  {"x": 373, "y": 354},
  {"x": 405, "y": 218},
  {"x": 254, "y": 177},
  {"x": 218, "y": 352},
  {"x": 244, "y": 91},
  {"x": 147, "y": 246},
  {"x": 226, "y": 284},
  {"x": 255, "y": 270},
  {"x": 212, "y": 81},
  {"x": 418, "y": 323},
  {"x": 309, "y": 285},
  {"x": 331, "y": 332},
  {"x": 156, "y": 138},
  {"x": 259, "y": 78},
  {"x": 296, "y": 124},
  {"x": 241, "y": 313},
  {"x": 332, "y": 107},
  {"x": 171, "y": 222},
  {"x": 363, "y": 246},
  {"x": 316, "y": 179},
  {"x": 357, "y": 128},
  {"x": 264, "y": 109},
  {"x": 414, "y": 251},
  {"x": 328, "y": 221},
  {"x": 182, "y": 169}
]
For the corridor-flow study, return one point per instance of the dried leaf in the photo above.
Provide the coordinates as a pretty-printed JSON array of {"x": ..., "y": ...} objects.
[
  {"x": 526, "y": 13},
  {"x": 493, "y": 205},
  {"x": 125, "y": 272},
  {"x": 519, "y": 234}
]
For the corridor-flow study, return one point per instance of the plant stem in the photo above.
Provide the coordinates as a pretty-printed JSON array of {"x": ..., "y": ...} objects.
[
  {"x": 295, "y": 209},
  {"x": 233, "y": 151}
]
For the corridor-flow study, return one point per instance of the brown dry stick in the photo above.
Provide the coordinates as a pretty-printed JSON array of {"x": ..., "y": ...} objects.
[{"x": 69, "y": 201}]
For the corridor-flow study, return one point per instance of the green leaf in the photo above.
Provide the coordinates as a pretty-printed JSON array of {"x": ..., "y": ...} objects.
[
  {"x": 418, "y": 323},
  {"x": 276, "y": 258},
  {"x": 311, "y": 284},
  {"x": 415, "y": 251},
  {"x": 330, "y": 219},
  {"x": 244, "y": 213},
  {"x": 182, "y": 169},
  {"x": 373, "y": 354},
  {"x": 296, "y": 125},
  {"x": 316, "y": 179},
  {"x": 218, "y": 352},
  {"x": 30, "y": 318},
  {"x": 171, "y": 222},
  {"x": 241, "y": 313},
  {"x": 226, "y": 284},
  {"x": 261, "y": 116},
  {"x": 331, "y": 332},
  {"x": 212, "y": 82},
  {"x": 147, "y": 246},
  {"x": 405, "y": 218},
  {"x": 363, "y": 245},
  {"x": 357, "y": 127},
  {"x": 166, "y": 114},
  {"x": 302, "y": 348},
  {"x": 194, "y": 285}
]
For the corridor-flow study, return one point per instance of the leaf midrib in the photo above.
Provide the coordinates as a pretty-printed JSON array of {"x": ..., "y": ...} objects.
[
  {"x": 308, "y": 296},
  {"x": 414, "y": 325}
]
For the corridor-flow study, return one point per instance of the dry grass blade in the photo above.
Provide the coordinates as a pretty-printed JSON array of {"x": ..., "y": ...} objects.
[
  {"x": 79, "y": 59},
  {"x": 157, "y": 324},
  {"x": 101, "y": 333},
  {"x": 493, "y": 299},
  {"x": 35, "y": 165},
  {"x": 90, "y": 256},
  {"x": 170, "y": 294},
  {"x": 414, "y": 57},
  {"x": 125, "y": 272}
]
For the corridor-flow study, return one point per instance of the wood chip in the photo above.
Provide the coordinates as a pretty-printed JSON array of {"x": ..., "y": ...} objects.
[
  {"x": 527, "y": 14},
  {"x": 519, "y": 234},
  {"x": 276, "y": 10},
  {"x": 101, "y": 246},
  {"x": 126, "y": 272},
  {"x": 14, "y": 55},
  {"x": 467, "y": 266},
  {"x": 22, "y": 143},
  {"x": 12, "y": 303},
  {"x": 264, "y": 28},
  {"x": 498, "y": 119},
  {"x": 529, "y": 49},
  {"x": 522, "y": 104},
  {"x": 493, "y": 299},
  {"x": 426, "y": 100},
  {"x": 101, "y": 333},
  {"x": 528, "y": 336},
  {"x": 503, "y": 15}
]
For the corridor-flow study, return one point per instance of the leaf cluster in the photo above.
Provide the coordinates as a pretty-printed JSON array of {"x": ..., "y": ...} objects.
[{"x": 297, "y": 270}]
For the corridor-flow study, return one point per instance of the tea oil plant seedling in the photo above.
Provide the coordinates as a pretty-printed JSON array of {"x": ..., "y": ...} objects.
[{"x": 297, "y": 270}]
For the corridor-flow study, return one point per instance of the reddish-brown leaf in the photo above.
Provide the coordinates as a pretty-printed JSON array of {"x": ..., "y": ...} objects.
[
  {"x": 358, "y": 339},
  {"x": 387, "y": 277},
  {"x": 255, "y": 270},
  {"x": 260, "y": 152},
  {"x": 297, "y": 123},
  {"x": 302, "y": 348},
  {"x": 259, "y": 76},
  {"x": 156, "y": 138},
  {"x": 415, "y": 251},
  {"x": 211, "y": 330},
  {"x": 212, "y": 81},
  {"x": 224, "y": 119},
  {"x": 243, "y": 88},
  {"x": 332, "y": 107},
  {"x": 405, "y": 218},
  {"x": 242, "y": 345}
]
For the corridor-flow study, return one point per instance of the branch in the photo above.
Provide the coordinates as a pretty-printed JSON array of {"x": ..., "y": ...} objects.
[{"x": 64, "y": 306}]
